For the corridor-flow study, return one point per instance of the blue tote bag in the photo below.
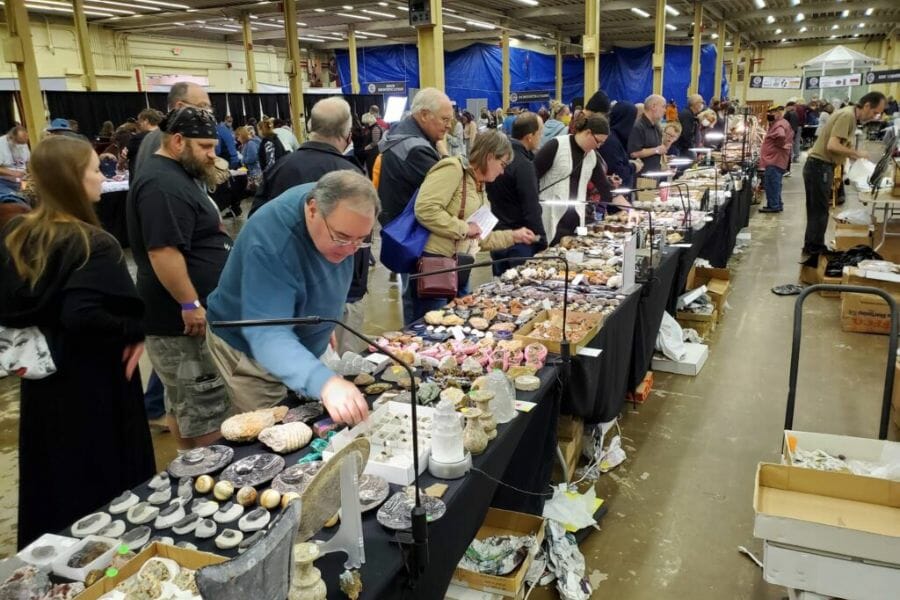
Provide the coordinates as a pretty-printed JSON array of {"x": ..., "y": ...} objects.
[{"x": 403, "y": 240}]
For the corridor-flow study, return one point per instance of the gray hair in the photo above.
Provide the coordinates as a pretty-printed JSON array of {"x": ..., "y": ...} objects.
[
  {"x": 178, "y": 93},
  {"x": 491, "y": 142},
  {"x": 652, "y": 100},
  {"x": 346, "y": 186},
  {"x": 330, "y": 118},
  {"x": 429, "y": 99}
]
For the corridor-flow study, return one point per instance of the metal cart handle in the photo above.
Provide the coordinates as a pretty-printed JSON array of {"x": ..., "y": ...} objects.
[{"x": 892, "y": 350}]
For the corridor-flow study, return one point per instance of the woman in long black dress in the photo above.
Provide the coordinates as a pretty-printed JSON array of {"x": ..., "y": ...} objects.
[{"x": 83, "y": 437}]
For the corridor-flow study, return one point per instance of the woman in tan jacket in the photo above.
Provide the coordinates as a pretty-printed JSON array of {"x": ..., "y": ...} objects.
[{"x": 438, "y": 208}]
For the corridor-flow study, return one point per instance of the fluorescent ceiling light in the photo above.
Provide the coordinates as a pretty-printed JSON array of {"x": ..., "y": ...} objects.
[
  {"x": 531, "y": 36},
  {"x": 319, "y": 10},
  {"x": 449, "y": 10},
  {"x": 803, "y": 29},
  {"x": 845, "y": 13},
  {"x": 861, "y": 25},
  {"x": 347, "y": 7},
  {"x": 674, "y": 11},
  {"x": 799, "y": 17},
  {"x": 760, "y": 4},
  {"x": 856, "y": 35},
  {"x": 715, "y": 36},
  {"x": 350, "y": 16},
  {"x": 275, "y": 25},
  {"x": 833, "y": 27},
  {"x": 795, "y": 2},
  {"x": 379, "y": 14},
  {"x": 831, "y": 37},
  {"x": 403, "y": 8},
  {"x": 770, "y": 19},
  {"x": 67, "y": 10},
  {"x": 869, "y": 12},
  {"x": 480, "y": 24},
  {"x": 166, "y": 4},
  {"x": 373, "y": 34},
  {"x": 640, "y": 12},
  {"x": 727, "y": 43},
  {"x": 529, "y": 2},
  {"x": 383, "y": 4},
  {"x": 670, "y": 27},
  {"x": 453, "y": 27},
  {"x": 111, "y": 3},
  {"x": 783, "y": 40},
  {"x": 68, "y": 5},
  {"x": 301, "y": 24},
  {"x": 778, "y": 31},
  {"x": 309, "y": 38},
  {"x": 211, "y": 28}
]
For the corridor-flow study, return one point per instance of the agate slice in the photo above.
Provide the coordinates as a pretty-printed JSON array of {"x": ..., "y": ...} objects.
[
  {"x": 201, "y": 461},
  {"x": 229, "y": 539},
  {"x": 122, "y": 503},
  {"x": 90, "y": 524},
  {"x": 254, "y": 520},
  {"x": 142, "y": 513},
  {"x": 254, "y": 470}
]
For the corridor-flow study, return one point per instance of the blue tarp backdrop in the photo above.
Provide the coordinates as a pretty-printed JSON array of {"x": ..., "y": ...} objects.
[{"x": 474, "y": 72}]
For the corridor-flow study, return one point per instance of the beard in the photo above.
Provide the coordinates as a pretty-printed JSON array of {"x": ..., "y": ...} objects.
[{"x": 198, "y": 169}]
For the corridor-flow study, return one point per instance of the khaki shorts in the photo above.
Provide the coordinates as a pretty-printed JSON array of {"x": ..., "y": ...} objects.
[
  {"x": 194, "y": 391},
  {"x": 249, "y": 385}
]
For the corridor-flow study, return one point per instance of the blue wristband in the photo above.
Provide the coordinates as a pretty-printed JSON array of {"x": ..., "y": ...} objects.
[{"x": 191, "y": 305}]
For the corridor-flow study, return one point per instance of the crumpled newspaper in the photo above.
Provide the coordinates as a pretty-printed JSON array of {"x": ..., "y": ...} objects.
[
  {"x": 701, "y": 306},
  {"x": 497, "y": 554},
  {"x": 566, "y": 563},
  {"x": 822, "y": 461}
]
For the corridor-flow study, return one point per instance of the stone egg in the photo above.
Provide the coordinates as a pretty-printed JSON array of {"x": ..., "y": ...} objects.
[
  {"x": 246, "y": 496},
  {"x": 223, "y": 490},
  {"x": 204, "y": 484}
]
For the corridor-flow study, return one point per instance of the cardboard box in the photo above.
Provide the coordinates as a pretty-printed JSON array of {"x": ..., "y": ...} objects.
[
  {"x": 889, "y": 282},
  {"x": 717, "y": 282},
  {"x": 853, "y": 448},
  {"x": 848, "y": 235},
  {"x": 864, "y": 313},
  {"x": 570, "y": 428},
  {"x": 812, "y": 276},
  {"x": 890, "y": 249},
  {"x": 831, "y": 281},
  {"x": 553, "y": 345},
  {"x": 695, "y": 358},
  {"x": 895, "y": 400},
  {"x": 571, "y": 451},
  {"x": 503, "y": 522},
  {"x": 190, "y": 559},
  {"x": 836, "y": 513},
  {"x": 704, "y": 325}
]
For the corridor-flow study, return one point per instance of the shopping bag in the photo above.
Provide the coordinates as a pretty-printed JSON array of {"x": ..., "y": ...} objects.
[{"x": 403, "y": 240}]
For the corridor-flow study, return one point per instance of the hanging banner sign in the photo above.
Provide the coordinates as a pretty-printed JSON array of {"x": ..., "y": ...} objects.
[
  {"x": 833, "y": 81},
  {"x": 529, "y": 96},
  {"x": 891, "y": 76},
  {"x": 781, "y": 83},
  {"x": 387, "y": 87}
]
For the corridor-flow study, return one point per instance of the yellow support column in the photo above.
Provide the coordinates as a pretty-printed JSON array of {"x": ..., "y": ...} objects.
[
  {"x": 735, "y": 59},
  {"x": 83, "y": 38},
  {"x": 695, "y": 51},
  {"x": 431, "y": 48},
  {"x": 248, "y": 53},
  {"x": 18, "y": 50},
  {"x": 295, "y": 80},
  {"x": 591, "y": 47},
  {"x": 659, "y": 46},
  {"x": 504, "y": 64},
  {"x": 354, "y": 65},
  {"x": 559, "y": 72},
  {"x": 720, "y": 61},
  {"x": 748, "y": 70}
]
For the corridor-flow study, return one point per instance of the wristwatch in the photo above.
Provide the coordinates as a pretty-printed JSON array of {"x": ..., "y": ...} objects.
[{"x": 191, "y": 305}]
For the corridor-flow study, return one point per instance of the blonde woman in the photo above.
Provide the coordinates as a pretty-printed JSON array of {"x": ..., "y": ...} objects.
[
  {"x": 455, "y": 186},
  {"x": 82, "y": 428}
]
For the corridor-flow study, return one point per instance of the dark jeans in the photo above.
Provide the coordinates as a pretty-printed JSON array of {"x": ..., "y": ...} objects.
[
  {"x": 153, "y": 398},
  {"x": 817, "y": 179},
  {"x": 774, "y": 176},
  {"x": 515, "y": 251}
]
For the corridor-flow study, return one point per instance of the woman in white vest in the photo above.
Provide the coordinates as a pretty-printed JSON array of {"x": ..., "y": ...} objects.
[{"x": 570, "y": 170}]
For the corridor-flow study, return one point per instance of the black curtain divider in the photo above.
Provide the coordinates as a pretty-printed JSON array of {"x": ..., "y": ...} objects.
[
  {"x": 283, "y": 106},
  {"x": 157, "y": 100},
  {"x": 220, "y": 105},
  {"x": 91, "y": 109},
  {"x": 359, "y": 103},
  {"x": 7, "y": 118}
]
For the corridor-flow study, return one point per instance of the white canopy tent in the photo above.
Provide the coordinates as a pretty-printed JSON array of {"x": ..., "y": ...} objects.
[{"x": 840, "y": 60}]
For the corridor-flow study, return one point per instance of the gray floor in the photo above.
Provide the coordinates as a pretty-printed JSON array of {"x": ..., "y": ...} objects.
[{"x": 682, "y": 502}]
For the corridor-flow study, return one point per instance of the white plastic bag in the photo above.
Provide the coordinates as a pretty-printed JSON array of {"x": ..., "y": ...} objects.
[
  {"x": 855, "y": 216},
  {"x": 670, "y": 339},
  {"x": 571, "y": 509}
]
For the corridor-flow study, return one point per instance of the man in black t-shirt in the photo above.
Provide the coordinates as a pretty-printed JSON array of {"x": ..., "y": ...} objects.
[
  {"x": 645, "y": 142},
  {"x": 180, "y": 247}
]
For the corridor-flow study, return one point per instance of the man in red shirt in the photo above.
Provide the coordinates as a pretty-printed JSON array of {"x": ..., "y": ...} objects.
[{"x": 775, "y": 157}]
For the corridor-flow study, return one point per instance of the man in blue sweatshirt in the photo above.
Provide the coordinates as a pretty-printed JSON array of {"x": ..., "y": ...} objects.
[{"x": 294, "y": 258}]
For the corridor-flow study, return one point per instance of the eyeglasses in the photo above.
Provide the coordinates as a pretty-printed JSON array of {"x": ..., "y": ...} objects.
[
  {"x": 599, "y": 142},
  {"x": 342, "y": 241},
  {"x": 504, "y": 163}
]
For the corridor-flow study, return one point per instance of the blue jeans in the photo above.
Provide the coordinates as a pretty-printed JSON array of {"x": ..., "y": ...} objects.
[
  {"x": 515, "y": 251},
  {"x": 774, "y": 176},
  {"x": 153, "y": 398}
]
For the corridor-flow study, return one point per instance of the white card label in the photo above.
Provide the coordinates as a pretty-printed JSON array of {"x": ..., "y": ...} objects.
[
  {"x": 458, "y": 332},
  {"x": 578, "y": 279}
]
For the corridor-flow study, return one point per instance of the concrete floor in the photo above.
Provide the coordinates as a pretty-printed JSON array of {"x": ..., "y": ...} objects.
[{"x": 682, "y": 502}]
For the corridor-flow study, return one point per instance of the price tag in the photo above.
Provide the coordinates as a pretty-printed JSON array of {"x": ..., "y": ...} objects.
[
  {"x": 525, "y": 406},
  {"x": 546, "y": 304},
  {"x": 458, "y": 332},
  {"x": 578, "y": 279},
  {"x": 581, "y": 230}
]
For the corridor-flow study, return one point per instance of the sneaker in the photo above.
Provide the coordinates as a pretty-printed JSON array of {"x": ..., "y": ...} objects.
[
  {"x": 766, "y": 209},
  {"x": 788, "y": 174}
]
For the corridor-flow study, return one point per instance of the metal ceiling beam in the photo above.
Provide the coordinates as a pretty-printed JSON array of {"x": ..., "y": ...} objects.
[
  {"x": 759, "y": 16},
  {"x": 875, "y": 31}
]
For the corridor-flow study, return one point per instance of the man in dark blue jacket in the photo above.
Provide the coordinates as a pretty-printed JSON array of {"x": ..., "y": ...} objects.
[
  {"x": 226, "y": 147},
  {"x": 329, "y": 137},
  {"x": 514, "y": 194}
]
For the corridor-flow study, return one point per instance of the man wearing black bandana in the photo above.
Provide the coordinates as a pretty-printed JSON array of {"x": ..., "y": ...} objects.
[{"x": 180, "y": 248}]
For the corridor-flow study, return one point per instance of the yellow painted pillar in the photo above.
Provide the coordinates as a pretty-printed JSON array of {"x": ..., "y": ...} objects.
[
  {"x": 720, "y": 61},
  {"x": 735, "y": 59},
  {"x": 431, "y": 48},
  {"x": 248, "y": 53},
  {"x": 559, "y": 72},
  {"x": 83, "y": 38},
  {"x": 295, "y": 79},
  {"x": 591, "y": 47},
  {"x": 354, "y": 65},
  {"x": 659, "y": 46},
  {"x": 19, "y": 51},
  {"x": 695, "y": 50},
  {"x": 748, "y": 70},
  {"x": 504, "y": 64}
]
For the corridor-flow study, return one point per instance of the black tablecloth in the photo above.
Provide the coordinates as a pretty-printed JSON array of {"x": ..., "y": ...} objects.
[
  {"x": 467, "y": 502},
  {"x": 597, "y": 388},
  {"x": 719, "y": 244},
  {"x": 653, "y": 302},
  {"x": 111, "y": 212}
]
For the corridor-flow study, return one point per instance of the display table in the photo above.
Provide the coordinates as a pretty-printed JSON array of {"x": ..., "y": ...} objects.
[
  {"x": 467, "y": 502},
  {"x": 111, "y": 210}
]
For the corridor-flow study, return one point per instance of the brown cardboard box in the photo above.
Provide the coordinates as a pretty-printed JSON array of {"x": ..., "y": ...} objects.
[
  {"x": 569, "y": 432},
  {"x": 832, "y": 281},
  {"x": 503, "y": 522},
  {"x": 569, "y": 427},
  {"x": 811, "y": 276},
  {"x": 704, "y": 325},
  {"x": 553, "y": 345},
  {"x": 890, "y": 249},
  {"x": 848, "y": 235},
  {"x": 190, "y": 559},
  {"x": 717, "y": 282},
  {"x": 895, "y": 400},
  {"x": 864, "y": 313}
]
